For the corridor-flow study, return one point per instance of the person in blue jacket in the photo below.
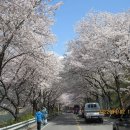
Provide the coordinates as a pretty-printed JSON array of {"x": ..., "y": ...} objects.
[{"x": 39, "y": 117}]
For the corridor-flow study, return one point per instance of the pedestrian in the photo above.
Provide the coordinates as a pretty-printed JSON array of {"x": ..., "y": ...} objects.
[
  {"x": 39, "y": 118},
  {"x": 45, "y": 113}
]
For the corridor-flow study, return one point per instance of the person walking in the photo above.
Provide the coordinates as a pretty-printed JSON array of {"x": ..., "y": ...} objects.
[
  {"x": 45, "y": 113},
  {"x": 39, "y": 117}
]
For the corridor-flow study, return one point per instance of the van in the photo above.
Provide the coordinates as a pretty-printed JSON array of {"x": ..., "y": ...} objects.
[{"x": 92, "y": 112}]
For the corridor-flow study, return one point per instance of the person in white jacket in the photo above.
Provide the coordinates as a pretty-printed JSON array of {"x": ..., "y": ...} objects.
[{"x": 45, "y": 113}]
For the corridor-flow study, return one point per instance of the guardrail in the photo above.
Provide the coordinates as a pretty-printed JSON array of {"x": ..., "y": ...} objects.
[
  {"x": 23, "y": 124},
  {"x": 19, "y": 125}
]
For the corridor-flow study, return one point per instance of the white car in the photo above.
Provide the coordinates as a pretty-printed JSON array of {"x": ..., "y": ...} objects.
[{"x": 92, "y": 112}]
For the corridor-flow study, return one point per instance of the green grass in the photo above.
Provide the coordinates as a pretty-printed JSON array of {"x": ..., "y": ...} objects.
[{"x": 25, "y": 117}]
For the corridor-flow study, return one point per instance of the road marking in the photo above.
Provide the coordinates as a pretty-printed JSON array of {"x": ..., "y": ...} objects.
[
  {"x": 77, "y": 124},
  {"x": 45, "y": 125},
  {"x": 79, "y": 128}
]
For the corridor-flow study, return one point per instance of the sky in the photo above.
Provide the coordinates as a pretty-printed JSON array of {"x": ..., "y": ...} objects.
[{"x": 73, "y": 11}]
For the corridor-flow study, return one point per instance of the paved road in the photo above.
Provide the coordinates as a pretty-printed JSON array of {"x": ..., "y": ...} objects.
[{"x": 68, "y": 121}]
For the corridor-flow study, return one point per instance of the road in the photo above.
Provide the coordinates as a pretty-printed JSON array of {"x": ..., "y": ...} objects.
[{"x": 68, "y": 121}]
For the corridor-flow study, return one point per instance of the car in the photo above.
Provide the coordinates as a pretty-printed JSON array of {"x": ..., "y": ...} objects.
[
  {"x": 92, "y": 112},
  {"x": 123, "y": 122}
]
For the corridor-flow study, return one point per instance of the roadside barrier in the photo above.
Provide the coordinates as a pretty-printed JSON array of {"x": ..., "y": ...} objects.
[
  {"x": 27, "y": 123},
  {"x": 19, "y": 125}
]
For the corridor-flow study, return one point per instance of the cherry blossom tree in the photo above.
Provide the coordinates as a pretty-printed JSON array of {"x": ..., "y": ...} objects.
[
  {"x": 25, "y": 33},
  {"x": 100, "y": 53}
]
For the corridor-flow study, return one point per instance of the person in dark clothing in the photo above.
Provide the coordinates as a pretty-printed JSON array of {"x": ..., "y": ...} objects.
[{"x": 39, "y": 118}]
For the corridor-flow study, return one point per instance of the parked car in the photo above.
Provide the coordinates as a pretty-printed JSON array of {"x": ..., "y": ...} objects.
[
  {"x": 92, "y": 112},
  {"x": 123, "y": 122}
]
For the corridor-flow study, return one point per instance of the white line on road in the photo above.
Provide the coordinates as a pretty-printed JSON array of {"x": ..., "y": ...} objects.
[
  {"x": 45, "y": 125},
  {"x": 77, "y": 123}
]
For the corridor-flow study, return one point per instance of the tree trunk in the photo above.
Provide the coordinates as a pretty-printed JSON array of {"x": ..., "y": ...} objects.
[
  {"x": 16, "y": 114},
  {"x": 118, "y": 91},
  {"x": 119, "y": 98},
  {"x": 34, "y": 107},
  {"x": 1, "y": 61}
]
